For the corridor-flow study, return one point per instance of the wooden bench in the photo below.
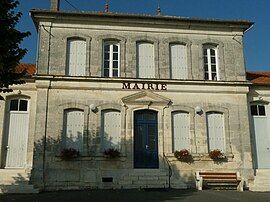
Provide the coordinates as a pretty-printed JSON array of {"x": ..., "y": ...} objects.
[{"x": 221, "y": 180}]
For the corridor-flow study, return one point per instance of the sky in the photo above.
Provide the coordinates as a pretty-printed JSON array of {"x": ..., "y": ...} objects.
[{"x": 256, "y": 41}]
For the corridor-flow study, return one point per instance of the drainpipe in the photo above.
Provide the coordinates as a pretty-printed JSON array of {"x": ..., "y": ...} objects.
[
  {"x": 164, "y": 156},
  {"x": 45, "y": 136}
]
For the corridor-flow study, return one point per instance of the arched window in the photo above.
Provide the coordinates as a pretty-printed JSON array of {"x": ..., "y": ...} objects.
[
  {"x": 73, "y": 128},
  {"x": 180, "y": 130},
  {"x": 76, "y": 57},
  {"x": 210, "y": 59},
  {"x": 111, "y": 129},
  {"x": 111, "y": 59},
  {"x": 215, "y": 131},
  {"x": 178, "y": 61},
  {"x": 145, "y": 60}
]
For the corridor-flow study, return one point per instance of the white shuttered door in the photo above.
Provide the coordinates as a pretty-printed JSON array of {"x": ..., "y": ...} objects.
[
  {"x": 181, "y": 128},
  {"x": 178, "y": 61},
  {"x": 76, "y": 53},
  {"x": 146, "y": 60},
  {"x": 73, "y": 127},
  {"x": 215, "y": 127},
  {"x": 18, "y": 124},
  {"x": 111, "y": 124}
]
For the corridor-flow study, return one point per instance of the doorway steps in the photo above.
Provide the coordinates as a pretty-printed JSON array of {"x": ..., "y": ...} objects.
[
  {"x": 139, "y": 179},
  {"x": 16, "y": 181},
  {"x": 262, "y": 181}
]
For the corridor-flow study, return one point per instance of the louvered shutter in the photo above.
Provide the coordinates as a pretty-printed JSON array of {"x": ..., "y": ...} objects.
[
  {"x": 76, "y": 51},
  {"x": 74, "y": 127},
  {"x": 181, "y": 130},
  {"x": 146, "y": 60},
  {"x": 111, "y": 123},
  {"x": 215, "y": 126},
  {"x": 179, "y": 61}
]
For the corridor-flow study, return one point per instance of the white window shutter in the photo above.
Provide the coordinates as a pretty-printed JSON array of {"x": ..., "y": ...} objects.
[
  {"x": 181, "y": 130},
  {"x": 216, "y": 135},
  {"x": 111, "y": 124},
  {"x": 73, "y": 129},
  {"x": 146, "y": 60},
  {"x": 179, "y": 68},
  {"x": 76, "y": 51}
]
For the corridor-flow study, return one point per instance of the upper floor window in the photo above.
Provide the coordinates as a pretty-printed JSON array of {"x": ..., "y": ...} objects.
[
  {"x": 257, "y": 110},
  {"x": 145, "y": 60},
  {"x": 111, "y": 59},
  {"x": 210, "y": 63},
  {"x": 76, "y": 57},
  {"x": 178, "y": 61}
]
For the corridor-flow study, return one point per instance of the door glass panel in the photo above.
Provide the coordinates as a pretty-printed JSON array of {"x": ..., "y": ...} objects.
[
  {"x": 23, "y": 105},
  {"x": 14, "y": 105},
  {"x": 261, "y": 110}
]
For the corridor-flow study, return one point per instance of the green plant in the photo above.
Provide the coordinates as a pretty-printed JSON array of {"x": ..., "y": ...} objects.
[
  {"x": 111, "y": 153},
  {"x": 216, "y": 155},
  {"x": 69, "y": 154},
  {"x": 183, "y": 155}
]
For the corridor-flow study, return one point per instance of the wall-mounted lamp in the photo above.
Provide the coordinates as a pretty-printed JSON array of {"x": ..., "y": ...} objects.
[
  {"x": 198, "y": 110},
  {"x": 93, "y": 108}
]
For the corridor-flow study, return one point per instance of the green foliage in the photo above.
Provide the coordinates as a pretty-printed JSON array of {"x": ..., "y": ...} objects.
[{"x": 10, "y": 39}]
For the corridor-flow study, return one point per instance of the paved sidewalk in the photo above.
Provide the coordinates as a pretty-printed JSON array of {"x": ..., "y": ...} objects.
[{"x": 140, "y": 196}]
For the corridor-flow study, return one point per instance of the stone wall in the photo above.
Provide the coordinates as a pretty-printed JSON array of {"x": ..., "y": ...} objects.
[{"x": 88, "y": 170}]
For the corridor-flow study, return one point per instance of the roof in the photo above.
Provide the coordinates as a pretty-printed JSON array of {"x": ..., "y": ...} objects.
[
  {"x": 29, "y": 68},
  {"x": 144, "y": 18},
  {"x": 259, "y": 78}
]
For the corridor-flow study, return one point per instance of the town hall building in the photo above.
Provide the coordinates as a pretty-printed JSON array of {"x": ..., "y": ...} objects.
[{"x": 144, "y": 86}]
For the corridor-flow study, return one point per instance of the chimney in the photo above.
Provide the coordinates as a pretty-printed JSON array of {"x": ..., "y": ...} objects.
[{"x": 55, "y": 5}]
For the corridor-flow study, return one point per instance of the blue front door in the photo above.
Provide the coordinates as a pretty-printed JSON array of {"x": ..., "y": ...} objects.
[{"x": 145, "y": 139}]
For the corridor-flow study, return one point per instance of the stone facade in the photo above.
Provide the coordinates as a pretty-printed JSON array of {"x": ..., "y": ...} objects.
[{"x": 53, "y": 92}]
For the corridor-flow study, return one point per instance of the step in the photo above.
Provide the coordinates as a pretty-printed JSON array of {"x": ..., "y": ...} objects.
[
  {"x": 18, "y": 189},
  {"x": 261, "y": 181}
]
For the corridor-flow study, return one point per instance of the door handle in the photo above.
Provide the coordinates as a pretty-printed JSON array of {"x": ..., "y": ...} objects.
[{"x": 7, "y": 147}]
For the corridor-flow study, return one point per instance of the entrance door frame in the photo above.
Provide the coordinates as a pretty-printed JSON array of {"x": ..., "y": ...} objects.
[
  {"x": 5, "y": 131},
  {"x": 155, "y": 162}
]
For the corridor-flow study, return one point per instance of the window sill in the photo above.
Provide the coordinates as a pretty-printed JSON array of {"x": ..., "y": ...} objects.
[
  {"x": 202, "y": 157},
  {"x": 92, "y": 158}
]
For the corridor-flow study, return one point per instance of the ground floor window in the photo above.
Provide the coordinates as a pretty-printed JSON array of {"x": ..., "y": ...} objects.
[
  {"x": 180, "y": 131},
  {"x": 73, "y": 128},
  {"x": 111, "y": 129},
  {"x": 215, "y": 131}
]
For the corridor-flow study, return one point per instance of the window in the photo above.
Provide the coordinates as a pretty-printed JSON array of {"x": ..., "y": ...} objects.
[
  {"x": 181, "y": 131},
  {"x": 210, "y": 63},
  {"x": 76, "y": 57},
  {"x": 18, "y": 105},
  {"x": 257, "y": 110},
  {"x": 111, "y": 59},
  {"x": 145, "y": 60},
  {"x": 178, "y": 61},
  {"x": 73, "y": 128},
  {"x": 215, "y": 131},
  {"x": 111, "y": 129}
]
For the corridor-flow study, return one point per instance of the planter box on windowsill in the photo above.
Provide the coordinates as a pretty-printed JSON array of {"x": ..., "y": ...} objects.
[{"x": 200, "y": 157}]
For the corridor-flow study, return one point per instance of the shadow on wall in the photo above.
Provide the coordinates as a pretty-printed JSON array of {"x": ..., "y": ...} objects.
[{"x": 92, "y": 144}]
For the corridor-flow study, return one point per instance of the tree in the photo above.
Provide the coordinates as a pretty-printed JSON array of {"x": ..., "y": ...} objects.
[{"x": 10, "y": 51}]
